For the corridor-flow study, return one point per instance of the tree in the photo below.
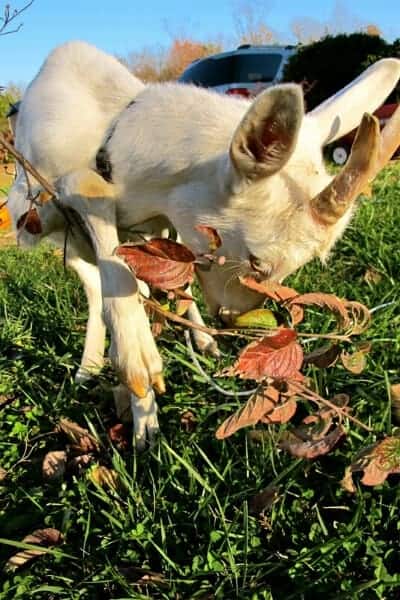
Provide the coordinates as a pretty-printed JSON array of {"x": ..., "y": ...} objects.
[{"x": 331, "y": 63}]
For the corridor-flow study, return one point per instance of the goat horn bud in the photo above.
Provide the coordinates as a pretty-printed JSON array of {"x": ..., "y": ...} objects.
[{"x": 334, "y": 201}]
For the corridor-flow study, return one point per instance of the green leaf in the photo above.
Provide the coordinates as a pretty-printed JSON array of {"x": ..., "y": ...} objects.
[{"x": 260, "y": 317}]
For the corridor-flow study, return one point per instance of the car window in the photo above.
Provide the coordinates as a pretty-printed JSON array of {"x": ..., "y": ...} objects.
[{"x": 240, "y": 68}]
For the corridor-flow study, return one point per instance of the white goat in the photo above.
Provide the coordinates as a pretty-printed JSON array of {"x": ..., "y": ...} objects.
[{"x": 252, "y": 170}]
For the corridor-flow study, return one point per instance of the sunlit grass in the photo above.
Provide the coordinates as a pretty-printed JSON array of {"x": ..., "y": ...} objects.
[{"x": 182, "y": 509}]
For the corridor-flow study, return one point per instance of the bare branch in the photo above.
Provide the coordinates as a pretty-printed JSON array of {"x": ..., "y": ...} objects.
[{"x": 9, "y": 16}]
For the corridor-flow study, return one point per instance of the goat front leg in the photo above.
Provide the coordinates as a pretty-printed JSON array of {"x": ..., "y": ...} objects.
[
  {"x": 133, "y": 352},
  {"x": 93, "y": 354},
  {"x": 203, "y": 341}
]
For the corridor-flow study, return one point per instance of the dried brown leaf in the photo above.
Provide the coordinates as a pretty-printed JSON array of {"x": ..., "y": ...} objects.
[
  {"x": 41, "y": 537},
  {"x": 252, "y": 412},
  {"x": 378, "y": 461},
  {"x": 104, "y": 477},
  {"x": 355, "y": 362},
  {"x": 323, "y": 357},
  {"x": 82, "y": 440},
  {"x": 162, "y": 263},
  {"x": 372, "y": 276},
  {"x": 119, "y": 436},
  {"x": 54, "y": 465},
  {"x": 360, "y": 317},
  {"x": 347, "y": 482},
  {"x": 264, "y": 500},
  {"x": 3, "y": 474},
  {"x": 279, "y": 356},
  {"x": 329, "y": 301},
  {"x": 188, "y": 421},
  {"x": 311, "y": 448}
]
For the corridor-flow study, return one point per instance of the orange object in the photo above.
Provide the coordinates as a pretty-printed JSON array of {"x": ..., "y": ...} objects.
[{"x": 5, "y": 219}]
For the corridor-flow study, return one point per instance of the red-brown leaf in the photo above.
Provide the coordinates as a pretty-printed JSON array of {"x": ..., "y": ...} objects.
[
  {"x": 82, "y": 440},
  {"x": 329, "y": 301},
  {"x": 272, "y": 289},
  {"x": 311, "y": 448},
  {"x": 323, "y": 357},
  {"x": 281, "y": 413},
  {"x": 212, "y": 235},
  {"x": 279, "y": 356},
  {"x": 161, "y": 263},
  {"x": 118, "y": 434},
  {"x": 378, "y": 461},
  {"x": 251, "y": 413}
]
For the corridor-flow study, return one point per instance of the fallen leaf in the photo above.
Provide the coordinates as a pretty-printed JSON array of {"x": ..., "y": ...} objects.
[
  {"x": 259, "y": 317},
  {"x": 188, "y": 421},
  {"x": 272, "y": 289},
  {"x": 118, "y": 434},
  {"x": 212, "y": 235},
  {"x": 310, "y": 448},
  {"x": 78, "y": 463},
  {"x": 323, "y": 357},
  {"x": 347, "y": 482},
  {"x": 41, "y": 537},
  {"x": 104, "y": 477},
  {"x": 264, "y": 500},
  {"x": 54, "y": 465},
  {"x": 141, "y": 576},
  {"x": 82, "y": 440},
  {"x": 279, "y": 356},
  {"x": 360, "y": 317},
  {"x": 377, "y": 461},
  {"x": 372, "y": 276},
  {"x": 355, "y": 362},
  {"x": 161, "y": 263}
]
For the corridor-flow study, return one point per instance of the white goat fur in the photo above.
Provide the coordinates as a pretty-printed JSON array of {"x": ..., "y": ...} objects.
[{"x": 187, "y": 154}]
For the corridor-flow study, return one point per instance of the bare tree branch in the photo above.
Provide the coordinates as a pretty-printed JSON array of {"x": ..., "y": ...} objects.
[{"x": 9, "y": 16}]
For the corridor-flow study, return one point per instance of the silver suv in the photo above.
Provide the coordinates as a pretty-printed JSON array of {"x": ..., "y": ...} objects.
[{"x": 245, "y": 71}]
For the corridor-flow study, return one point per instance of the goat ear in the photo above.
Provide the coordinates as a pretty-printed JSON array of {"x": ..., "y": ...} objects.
[
  {"x": 342, "y": 112},
  {"x": 267, "y": 134}
]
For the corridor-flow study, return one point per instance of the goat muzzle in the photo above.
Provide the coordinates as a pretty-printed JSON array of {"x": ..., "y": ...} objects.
[{"x": 371, "y": 151}]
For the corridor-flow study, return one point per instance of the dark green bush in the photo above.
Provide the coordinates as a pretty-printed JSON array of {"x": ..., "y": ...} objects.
[{"x": 332, "y": 62}]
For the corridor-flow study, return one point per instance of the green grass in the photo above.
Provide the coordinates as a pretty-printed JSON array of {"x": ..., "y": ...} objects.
[{"x": 182, "y": 509}]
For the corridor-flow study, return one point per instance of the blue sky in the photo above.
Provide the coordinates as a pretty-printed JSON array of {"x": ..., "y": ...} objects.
[{"x": 123, "y": 26}]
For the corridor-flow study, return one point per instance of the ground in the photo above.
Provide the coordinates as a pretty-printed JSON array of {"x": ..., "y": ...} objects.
[{"x": 179, "y": 523}]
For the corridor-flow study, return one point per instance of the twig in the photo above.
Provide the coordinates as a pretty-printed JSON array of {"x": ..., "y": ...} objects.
[
  {"x": 9, "y": 17},
  {"x": 28, "y": 166},
  {"x": 207, "y": 377},
  {"x": 314, "y": 397}
]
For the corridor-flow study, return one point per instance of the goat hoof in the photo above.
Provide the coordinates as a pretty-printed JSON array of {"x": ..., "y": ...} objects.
[
  {"x": 212, "y": 350},
  {"x": 145, "y": 421},
  {"x": 83, "y": 376}
]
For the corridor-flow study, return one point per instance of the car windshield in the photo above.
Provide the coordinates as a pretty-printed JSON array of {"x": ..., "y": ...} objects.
[{"x": 239, "y": 68}]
